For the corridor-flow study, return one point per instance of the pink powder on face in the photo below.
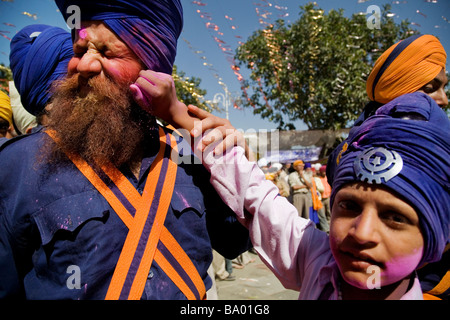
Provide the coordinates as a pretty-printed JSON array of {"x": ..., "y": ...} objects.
[
  {"x": 401, "y": 267},
  {"x": 82, "y": 33}
]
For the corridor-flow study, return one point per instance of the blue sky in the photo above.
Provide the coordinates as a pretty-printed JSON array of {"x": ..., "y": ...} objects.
[{"x": 236, "y": 20}]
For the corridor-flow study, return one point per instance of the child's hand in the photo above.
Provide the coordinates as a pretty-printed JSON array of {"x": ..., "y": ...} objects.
[
  {"x": 155, "y": 93},
  {"x": 218, "y": 130}
]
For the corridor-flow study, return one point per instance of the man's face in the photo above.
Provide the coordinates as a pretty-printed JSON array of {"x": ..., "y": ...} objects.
[
  {"x": 299, "y": 167},
  {"x": 436, "y": 89},
  {"x": 93, "y": 111},
  {"x": 99, "y": 52}
]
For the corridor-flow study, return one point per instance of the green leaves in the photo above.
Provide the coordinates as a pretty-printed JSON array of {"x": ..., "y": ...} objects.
[
  {"x": 189, "y": 91},
  {"x": 5, "y": 77},
  {"x": 315, "y": 69}
]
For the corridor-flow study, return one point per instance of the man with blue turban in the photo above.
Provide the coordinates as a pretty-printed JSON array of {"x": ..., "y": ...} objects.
[
  {"x": 104, "y": 203},
  {"x": 39, "y": 56},
  {"x": 149, "y": 28}
]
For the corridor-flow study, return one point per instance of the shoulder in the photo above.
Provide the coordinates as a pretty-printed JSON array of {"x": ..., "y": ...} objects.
[
  {"x": 19, "y": 156},
  {"x": 23, "y": 143}
]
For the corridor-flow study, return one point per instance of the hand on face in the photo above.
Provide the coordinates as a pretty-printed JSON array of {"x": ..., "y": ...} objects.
[{"x": 155, "y": 92}]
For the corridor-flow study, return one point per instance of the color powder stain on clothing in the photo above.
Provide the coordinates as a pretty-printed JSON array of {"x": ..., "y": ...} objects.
[{"x": 185, "y": 202}]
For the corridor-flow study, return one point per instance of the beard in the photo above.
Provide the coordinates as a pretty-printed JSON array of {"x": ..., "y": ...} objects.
[{"x": 102, "y": 125}]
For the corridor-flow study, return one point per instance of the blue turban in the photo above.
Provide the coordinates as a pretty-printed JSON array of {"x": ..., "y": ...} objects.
[
  {"x": 149, "y": 27},
  {"x": 405, "y": 146},
  {"x": 39, "y": 55}
]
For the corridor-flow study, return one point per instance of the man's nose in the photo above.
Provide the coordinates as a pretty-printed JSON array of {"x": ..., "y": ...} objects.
[
  {"x": 441, "y": 98},
  {"x": 89, "y": 64}
]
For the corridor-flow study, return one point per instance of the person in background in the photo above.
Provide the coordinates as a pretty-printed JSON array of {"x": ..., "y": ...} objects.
[
  {"x": 264, "y": 164},
  {"x": 279, "y": 178},
  {"x": 325, "y": 212},
  {"x": 316, "y": 190},
  {"x": 24, "y": 122},
  {"x": 39, "y": 56},
  {"x": 435, "y": 278},
  {"x": 300, "y": 185},
  {"x": 6, "y": 118},
  {"x": 415, "y": 64},
  {"x": 287, "y": 170}
]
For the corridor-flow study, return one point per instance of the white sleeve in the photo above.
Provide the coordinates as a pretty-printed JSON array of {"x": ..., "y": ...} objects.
[{"x": 275, "y": 227}]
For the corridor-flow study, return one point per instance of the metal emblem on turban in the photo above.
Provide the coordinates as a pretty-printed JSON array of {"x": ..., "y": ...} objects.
[{"x": 375, "y": 163}]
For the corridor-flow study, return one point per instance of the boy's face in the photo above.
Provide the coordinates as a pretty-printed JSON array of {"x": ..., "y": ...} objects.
[{"x": 372, "y": 227}]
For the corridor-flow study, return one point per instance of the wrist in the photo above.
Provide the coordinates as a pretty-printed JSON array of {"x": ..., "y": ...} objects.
[{"x": 178, "y": 116}]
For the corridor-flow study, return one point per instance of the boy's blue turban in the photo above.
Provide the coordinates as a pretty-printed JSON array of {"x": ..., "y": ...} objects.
[
  {"x": 405, "y": 146},
  {"x": 149, "y": 27}
]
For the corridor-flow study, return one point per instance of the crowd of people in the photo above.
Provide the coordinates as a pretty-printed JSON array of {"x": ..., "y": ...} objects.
[
  {"x": 94, "y": 203},
  {"x": 305, "y": 185}
]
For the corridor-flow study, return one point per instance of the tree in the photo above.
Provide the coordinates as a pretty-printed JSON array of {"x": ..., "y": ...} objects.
[
  {"x": 315, "y": 69},
  {"x": 5, "y": 77},
  {"x": 189, "y": 91}
]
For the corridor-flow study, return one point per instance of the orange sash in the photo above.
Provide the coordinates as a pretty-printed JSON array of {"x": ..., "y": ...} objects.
[{"x": 148, "y": 239}]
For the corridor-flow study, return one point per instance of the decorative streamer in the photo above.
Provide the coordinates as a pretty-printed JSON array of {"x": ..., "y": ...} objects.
[
  {"x": 2, "y": 33},
  {"x": 223, "y": 46},
  {"x": 314, "y": 50},
  {"x": 31, "y": 15},
  {"x": 265, "y": 11},
  {"x": 274, "y": 50},
  {"x": 421, "y": 13},
  {"x": 206, "y": 63}
]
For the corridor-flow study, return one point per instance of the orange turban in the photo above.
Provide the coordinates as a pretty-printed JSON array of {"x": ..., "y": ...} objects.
[
  {"x": 405, "y": 67},
  {"x": 297, "y": 162}
]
